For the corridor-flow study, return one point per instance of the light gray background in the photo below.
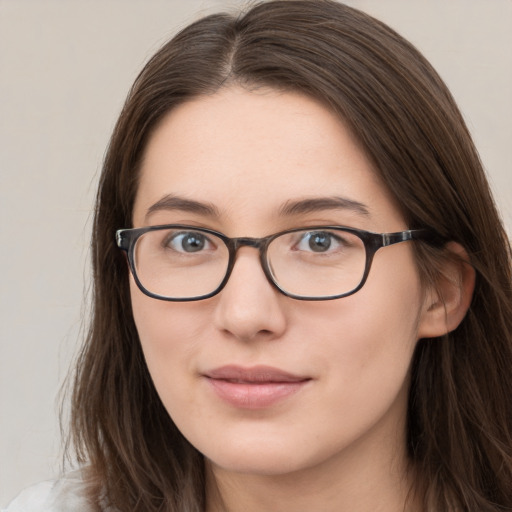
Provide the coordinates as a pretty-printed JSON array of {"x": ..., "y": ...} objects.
[{"x": 65, "y": 68}]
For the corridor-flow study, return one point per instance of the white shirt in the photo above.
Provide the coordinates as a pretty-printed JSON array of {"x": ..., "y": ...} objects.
[{"x": 67, "y": 494}]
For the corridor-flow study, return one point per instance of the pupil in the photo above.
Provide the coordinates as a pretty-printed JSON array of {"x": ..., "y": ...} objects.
[
  {"x": 319, "y": 242},
  {"x": 193, "y": 243}
]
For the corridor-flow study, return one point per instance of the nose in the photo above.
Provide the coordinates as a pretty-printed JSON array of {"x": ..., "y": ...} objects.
[{"x": 249, "y": 307}]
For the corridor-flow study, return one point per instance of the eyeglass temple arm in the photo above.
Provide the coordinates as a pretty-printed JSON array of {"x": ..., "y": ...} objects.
[
  {"x": 411, "y": 234},
  {"x": 123, "y": 239}
]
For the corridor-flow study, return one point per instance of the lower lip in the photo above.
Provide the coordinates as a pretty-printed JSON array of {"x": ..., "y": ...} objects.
[{"x": 255, "y": 396}]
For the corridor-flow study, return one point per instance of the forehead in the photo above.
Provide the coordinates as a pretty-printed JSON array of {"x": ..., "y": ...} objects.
[{"x": 248, "y": 153}]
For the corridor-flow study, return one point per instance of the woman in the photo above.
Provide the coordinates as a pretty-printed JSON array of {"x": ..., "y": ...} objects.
[{"x": 319, "y": 316}]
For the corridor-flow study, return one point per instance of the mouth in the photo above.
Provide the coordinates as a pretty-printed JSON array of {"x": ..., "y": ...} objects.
[{"x": 257, "y": 387}]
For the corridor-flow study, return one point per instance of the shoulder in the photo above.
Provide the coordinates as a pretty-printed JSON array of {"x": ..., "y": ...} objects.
[{"x": 67, "y": 494}]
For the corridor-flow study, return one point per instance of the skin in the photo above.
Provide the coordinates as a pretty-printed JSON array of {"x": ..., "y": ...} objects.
[{"x": 339, "y": 443}]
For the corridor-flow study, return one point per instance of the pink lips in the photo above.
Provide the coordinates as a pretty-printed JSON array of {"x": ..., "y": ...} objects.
[{"x": 254, "y": 388}]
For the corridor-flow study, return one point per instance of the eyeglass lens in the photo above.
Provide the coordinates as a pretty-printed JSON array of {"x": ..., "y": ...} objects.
[{"x": 186, "y": 263}]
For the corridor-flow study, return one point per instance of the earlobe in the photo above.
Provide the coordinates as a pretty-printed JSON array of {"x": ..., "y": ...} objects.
[{"x": 448, "y": 301}]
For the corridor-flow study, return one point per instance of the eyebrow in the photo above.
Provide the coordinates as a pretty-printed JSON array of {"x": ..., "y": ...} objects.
[
  {"x": 302, "y": 206},
  {"x": 172, "y": 202},
  {"x": 323, "y": 203}
]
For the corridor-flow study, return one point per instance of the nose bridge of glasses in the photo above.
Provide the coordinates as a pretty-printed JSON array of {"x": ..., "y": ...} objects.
[
  {"x": 246, "y": 242},
  {"x": 255, "y": 243}
]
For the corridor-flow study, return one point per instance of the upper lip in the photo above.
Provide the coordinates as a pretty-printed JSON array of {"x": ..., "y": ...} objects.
[{"x": 254, "y": 374}]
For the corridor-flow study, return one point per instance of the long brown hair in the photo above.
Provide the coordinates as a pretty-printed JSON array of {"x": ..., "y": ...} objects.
[{"x": 460, "y": 404}]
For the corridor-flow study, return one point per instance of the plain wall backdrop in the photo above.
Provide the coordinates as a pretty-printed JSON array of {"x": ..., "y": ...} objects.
[{"x": 65, "y": 68}]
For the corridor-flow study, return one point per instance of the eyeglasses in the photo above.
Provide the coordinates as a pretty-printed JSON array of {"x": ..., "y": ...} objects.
[{"x": 185, "y": 263}]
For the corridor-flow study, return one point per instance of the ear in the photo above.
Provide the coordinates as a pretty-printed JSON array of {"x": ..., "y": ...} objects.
[{"x": 448, "y": 300}]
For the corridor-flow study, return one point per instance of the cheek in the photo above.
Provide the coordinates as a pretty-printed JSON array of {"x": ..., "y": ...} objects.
[
  {"x": 169, "y": 334},
  {"x": 367, "y": 340},
  {"x": 388, "y": 319},
  {"x": 365, "y": 351}
]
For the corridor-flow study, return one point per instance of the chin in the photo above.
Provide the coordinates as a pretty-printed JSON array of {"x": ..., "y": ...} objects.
[
  {"x": 263, "y": 456},
  {"x": 258, "y": 464}
]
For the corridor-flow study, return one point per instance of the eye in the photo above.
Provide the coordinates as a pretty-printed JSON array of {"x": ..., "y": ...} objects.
[
  {"x": 319, "y": 241},
  {"x": 188, "y": 242}
]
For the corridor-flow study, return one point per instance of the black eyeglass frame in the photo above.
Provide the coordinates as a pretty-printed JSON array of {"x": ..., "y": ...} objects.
[{"x": 126, "y": 240}]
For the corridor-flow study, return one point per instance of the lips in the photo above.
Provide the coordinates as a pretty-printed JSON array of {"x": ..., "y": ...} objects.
[{"x": 257, "y": 387}]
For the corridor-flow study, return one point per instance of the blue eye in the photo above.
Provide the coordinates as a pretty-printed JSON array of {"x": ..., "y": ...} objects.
[
  {"x": 188, "y": 242},
  {"x": 319, "y": 241}
]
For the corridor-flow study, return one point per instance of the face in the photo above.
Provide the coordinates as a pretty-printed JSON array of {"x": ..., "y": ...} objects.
[{"x": 258, "y": 382}]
